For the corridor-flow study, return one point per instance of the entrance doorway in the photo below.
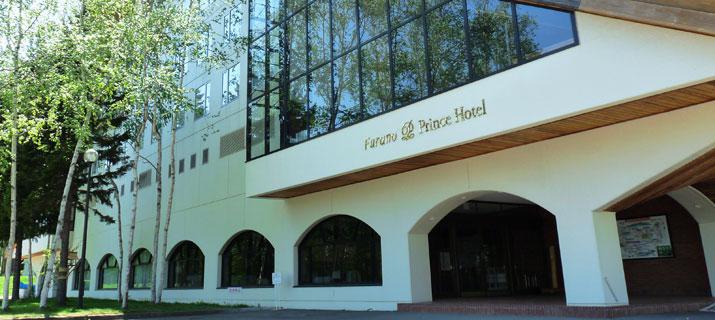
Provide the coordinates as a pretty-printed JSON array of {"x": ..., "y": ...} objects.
[{"x": 495, "y": 249}]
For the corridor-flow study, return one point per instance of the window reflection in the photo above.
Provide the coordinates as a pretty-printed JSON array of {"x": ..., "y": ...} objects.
[
  {"x": 257, "y": 127},
  {"x": 373, "y": 18},
  {"x": 402, "y": 10},
  {"x": 140, "y": 272},
  {"x": 344, "y": 25},
  {"x": 329, "y": 64},
  {"x": 258, "y": 69},
  {"x": 347, "y": 90},
  {"x": 320, "y": 92},
  {"x": 186, "y": 266},
  {"x": 258, "y": 17},
  {"x": 319, "y": 32},
  {"x": 247, "y": 261},
  {"x": 543, "y": 30},
  {"x": 108, "y": 273},
  {"x": 274, "y": 121},
  {"x": 376, "y": 77},
  {"x": 491, "y": 34},
  {"x": 340, "y": 250},
  {"x": 410, "y": 72},
  {"x": 446, "y": 46},
  {"x": 297, "y": 44},
  {"x": 296, "y": 117}
]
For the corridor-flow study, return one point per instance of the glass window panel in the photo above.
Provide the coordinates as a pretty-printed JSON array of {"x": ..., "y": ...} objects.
[
  {"x": 186, "y": 267},
  {"x": 87, "y": 276},
  {"x": 446, "y": 36},
  {"x": 296, "y": 119},
  {"x": 402, "y": 10},
  {"x": 274, "y": 122},
  {"x": 275, "y": 11},
  {"x": 344, "y": 25},
  {"x": 248, "y": 261},
  {"x": 232, "y": 25},
  {"x": 230, "y": 84},
  {"x": 258, "y": 68},
  {"x": 258, "y": 128},
  {"x": 376, "y": 76},
  {"x": 141, "y": 270},
  {"x": 202, "y": 101},
  {"x": 108, "y": 273},
  {"x": 491, "y": 36},
  {"x": 373, "y": 18},
  {"x": 294, "y": 5},
  {"x": 340, "y": 250},
  {"x": 320, "y": 93},
  {"x": 258, "y": 17},
  {"x": 410, "y": 72},
  {"x": 542, "y": 30},
  {"x": 275, "y": 58},
  {"x": 347, "y": 90},
  {"x": 298, "y": 47},
  {"x": 319, "y": 32}
]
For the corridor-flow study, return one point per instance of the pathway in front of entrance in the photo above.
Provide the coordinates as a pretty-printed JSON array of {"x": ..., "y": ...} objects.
[{"x": 374, "y": 315}]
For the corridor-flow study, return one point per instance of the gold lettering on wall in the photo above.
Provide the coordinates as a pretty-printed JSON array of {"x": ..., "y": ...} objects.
[{"x": 413, "y": 128}]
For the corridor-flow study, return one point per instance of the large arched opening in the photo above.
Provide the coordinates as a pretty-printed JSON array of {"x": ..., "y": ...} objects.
[{"x": 494, "y": 244}]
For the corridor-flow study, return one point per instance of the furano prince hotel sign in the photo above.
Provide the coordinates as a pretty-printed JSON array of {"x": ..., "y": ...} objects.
[{"x": 412, "y": 128}]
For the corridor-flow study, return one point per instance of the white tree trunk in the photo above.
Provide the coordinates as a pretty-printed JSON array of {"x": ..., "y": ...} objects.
[
  {"x": 13, "y": 205},
  {"x": 169, "y": 204},
  {"x": 121, "y": 243},
  {"x": 132, "y": 225},
  {"x": 60, "y": 226},
  {"x": 156, "y": 131}
]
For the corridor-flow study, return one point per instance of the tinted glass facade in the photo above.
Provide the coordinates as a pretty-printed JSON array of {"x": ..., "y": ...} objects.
[{"x": 320, "y": 65}]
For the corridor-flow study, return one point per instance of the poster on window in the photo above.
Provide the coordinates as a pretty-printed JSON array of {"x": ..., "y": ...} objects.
[{"x": 645, "y": 238}]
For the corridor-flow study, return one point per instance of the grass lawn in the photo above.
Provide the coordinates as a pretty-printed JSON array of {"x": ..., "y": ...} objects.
[{"x": 30, "y": 308}]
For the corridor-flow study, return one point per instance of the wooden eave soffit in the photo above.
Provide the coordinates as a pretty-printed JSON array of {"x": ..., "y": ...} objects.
[{"x": 688, "y": 15}]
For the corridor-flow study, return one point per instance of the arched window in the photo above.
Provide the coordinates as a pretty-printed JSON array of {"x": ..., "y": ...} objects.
[
  {"x": 247, "y": 261},
  {"x": 87, "y": 276},
  {"x": 108, "y": 273},
  {"x": 140, "y": 272},
  {"x": 341, "y": 250},
  {"x": 186, "y": 266}
]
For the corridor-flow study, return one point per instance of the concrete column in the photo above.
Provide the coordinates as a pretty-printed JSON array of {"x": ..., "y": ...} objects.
[
  {"x": 591, "y": 258},
  {"x": 420, "y": 277}
]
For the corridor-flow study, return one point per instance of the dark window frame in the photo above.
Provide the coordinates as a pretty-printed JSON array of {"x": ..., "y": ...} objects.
[
  {"x": 102, "y": 268},
  {"x": 227, "y": 261},
  {"x": 261, "y": 33},
  {"x": 87, "y": 275},
  {"x": 374, "y": 244},
  {"x": 132, "y": 273},
  {"x": 184, "y": 248}
]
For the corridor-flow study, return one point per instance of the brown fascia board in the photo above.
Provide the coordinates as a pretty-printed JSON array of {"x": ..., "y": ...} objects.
[{"x": 696, "y": 16}]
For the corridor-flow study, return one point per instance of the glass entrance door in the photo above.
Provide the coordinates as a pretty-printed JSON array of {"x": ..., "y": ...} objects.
[{"x": 498, "y": 252}]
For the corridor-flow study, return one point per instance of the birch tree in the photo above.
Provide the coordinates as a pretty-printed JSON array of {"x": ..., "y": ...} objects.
[{"x": 17, "y": 24}]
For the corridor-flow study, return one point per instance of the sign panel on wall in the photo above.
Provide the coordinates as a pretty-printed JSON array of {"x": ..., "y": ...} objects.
[{"x": 645, "y": 238}]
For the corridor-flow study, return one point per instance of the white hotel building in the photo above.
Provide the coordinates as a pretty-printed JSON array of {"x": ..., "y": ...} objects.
[{"x": 378, "y": 152}]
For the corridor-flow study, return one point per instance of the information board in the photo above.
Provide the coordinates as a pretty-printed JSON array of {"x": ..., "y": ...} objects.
[{"x": 644, "y": 238}]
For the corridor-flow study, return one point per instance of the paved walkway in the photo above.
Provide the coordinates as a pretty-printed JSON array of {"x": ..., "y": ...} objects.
[{"x": 353, "y": 315}]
